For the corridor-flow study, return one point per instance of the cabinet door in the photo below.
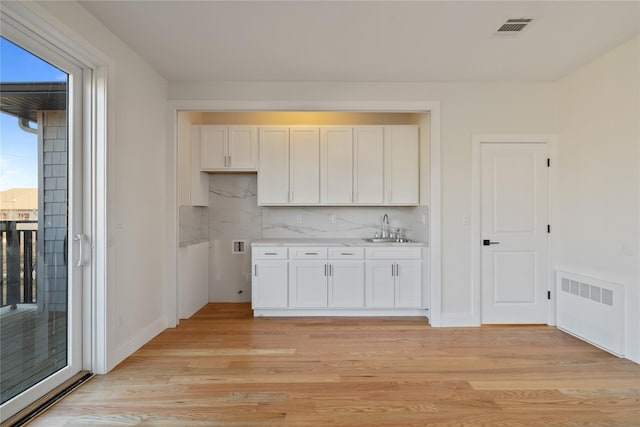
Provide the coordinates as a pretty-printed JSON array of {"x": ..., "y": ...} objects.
[
  {"x": 308, "y": 284},
  {"x": 242, "y": 148},
  {"x": 346, "y": 284},
  {"x": 380, "y": 284},
  {"x": 213, "y": 147},
  {"x": 198, "y": 180},
  {"x": 369, "y": 165},
  {"x": 269, "y": 284},
  {"x": 304, "y": 171},
  {"x": 273, "y": 169},
  {"x": 401, "y": 165},
  {"x": 336, "y": 166},
  {"x": 408, "y": 284}
]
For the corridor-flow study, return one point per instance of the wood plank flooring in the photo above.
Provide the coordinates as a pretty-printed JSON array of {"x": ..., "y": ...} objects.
[{"x": 222, "y": 367}]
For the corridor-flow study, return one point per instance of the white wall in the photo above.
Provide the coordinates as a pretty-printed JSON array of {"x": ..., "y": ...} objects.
[
  {"x": 137, "y": 182},
  {"x": 466, "y": 108},
  {"x": 598, "y": 174}
]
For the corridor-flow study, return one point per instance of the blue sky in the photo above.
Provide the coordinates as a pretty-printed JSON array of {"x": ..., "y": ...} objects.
[{"x": 19, "y": 149}]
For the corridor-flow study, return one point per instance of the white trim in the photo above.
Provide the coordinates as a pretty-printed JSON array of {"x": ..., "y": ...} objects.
[
  {"x": 432, "y": 107},
  {"x": 99, "y": 232},
  {"x": 476, "y": 140},
  {"x": 173, "y": 218}
]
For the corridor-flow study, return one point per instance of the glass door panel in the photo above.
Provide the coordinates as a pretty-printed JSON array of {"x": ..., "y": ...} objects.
[{"x": 40, "y": 319}]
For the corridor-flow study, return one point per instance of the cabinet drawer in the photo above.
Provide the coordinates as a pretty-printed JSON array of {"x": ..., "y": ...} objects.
[
  {"x": 308, "y": 253},
  {"x": 394, "y": 253},
  {"x": 270, "y": 253},
  {"x": 346, "y": 253}
]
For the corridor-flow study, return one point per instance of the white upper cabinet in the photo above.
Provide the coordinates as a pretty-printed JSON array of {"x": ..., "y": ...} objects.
[
  {"x": 196, "y": 181},
  {"x": 336, "y": 165},
  {"x": 213, "y": 147},
  {"x": 401, "y": 165},
  {"x": 368, "y": 168},
  {"x": 304, "y": 165},
  {"x": 273, "y": 166},
  {"x": 228, "y": 148}
]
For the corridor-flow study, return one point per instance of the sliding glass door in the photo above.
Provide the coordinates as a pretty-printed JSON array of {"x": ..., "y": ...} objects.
[{"x": 43, "y": 248}]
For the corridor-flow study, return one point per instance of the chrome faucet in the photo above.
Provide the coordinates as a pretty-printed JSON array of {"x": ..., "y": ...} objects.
[{"x": 385, "y": 226}]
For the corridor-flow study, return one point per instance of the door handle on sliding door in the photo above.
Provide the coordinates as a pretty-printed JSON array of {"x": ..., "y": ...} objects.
[{"x": 80, "y": 239}]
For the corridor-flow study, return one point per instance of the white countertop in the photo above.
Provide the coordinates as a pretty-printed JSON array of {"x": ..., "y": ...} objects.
[{"x": 330, "y": 242}]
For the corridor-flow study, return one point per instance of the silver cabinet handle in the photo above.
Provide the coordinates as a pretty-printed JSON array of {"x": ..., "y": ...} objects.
[
  {"x": 397, "y": 269},
  {"x": 270, "y": 253},
  {"x": 255, "y": 270},
  {"x": 229, "y": 161},
  {"x": 393, "y": 270},
  {"x": 325, "y": 270},
  {"x": 80, "y": 239},
  {"x": 331, "y": 270},
  {"x": 311, "y": 253}
]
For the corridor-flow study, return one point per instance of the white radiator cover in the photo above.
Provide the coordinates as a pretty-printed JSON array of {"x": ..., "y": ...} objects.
[{"x": 592, "y": 310}]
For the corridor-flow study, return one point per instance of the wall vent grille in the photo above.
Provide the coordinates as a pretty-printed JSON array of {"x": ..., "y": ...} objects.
[
  {"x": 514, "y": 25},
  {"x": 585, "y": 290},
  {"x": 592, "y": 309}
]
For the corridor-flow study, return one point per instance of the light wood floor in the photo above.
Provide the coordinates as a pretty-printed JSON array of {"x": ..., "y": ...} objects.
[{"x": 224, "y": 368}]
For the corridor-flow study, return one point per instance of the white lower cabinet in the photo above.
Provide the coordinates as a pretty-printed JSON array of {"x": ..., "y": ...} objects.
[
  {"x": 308, "y": 284},
  {"x": 380, "y": 284},
  {"x": 408, "y": 291},
  {"x": 327, "y": 284},
  {"x": 321, "y": 279},
  {"x": 269, "y": 288},
  {"x": 346, "y": 284},
  {"x": 270, "y": 277},
  {"x": 395, "y": 282}
]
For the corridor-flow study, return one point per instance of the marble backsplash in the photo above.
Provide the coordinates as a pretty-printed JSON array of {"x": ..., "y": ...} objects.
[
  {"x": 193, "y": 225},
  {"x": 234, "y": 214},
  {"x": 233, "y": 207},
  {"x": 347, "y": 222}
]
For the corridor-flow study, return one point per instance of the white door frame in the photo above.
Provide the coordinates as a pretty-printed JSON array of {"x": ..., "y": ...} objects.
[
  {"x": 476, "y": 236},
  {"x": 432, "y": 107}
]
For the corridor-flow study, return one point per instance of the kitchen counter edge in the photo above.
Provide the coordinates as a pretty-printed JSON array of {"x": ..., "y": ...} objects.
[{"x": 333, "y": 242}]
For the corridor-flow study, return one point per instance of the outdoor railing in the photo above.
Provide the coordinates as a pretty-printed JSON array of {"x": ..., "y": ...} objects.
[{"x": 18, "y": 262}]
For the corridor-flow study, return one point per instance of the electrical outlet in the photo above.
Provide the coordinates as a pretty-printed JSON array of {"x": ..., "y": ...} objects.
[
  {"x": 299, "y": 219},
  {"x": 334, "y": 219},
  {"x": 466, "y": 220}
]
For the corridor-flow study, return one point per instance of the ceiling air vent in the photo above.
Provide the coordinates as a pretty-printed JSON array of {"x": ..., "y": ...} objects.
[{"x": 514, "y": 25}]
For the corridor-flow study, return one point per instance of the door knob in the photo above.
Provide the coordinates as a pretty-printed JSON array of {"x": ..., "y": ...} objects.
[{"x": 489, "y": 242}]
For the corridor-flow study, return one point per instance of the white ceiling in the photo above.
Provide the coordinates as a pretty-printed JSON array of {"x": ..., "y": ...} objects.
[{"x": 383, "y": 41}]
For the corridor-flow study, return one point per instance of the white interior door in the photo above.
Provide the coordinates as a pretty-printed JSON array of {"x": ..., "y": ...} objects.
[{"x": 514, "y": 253}]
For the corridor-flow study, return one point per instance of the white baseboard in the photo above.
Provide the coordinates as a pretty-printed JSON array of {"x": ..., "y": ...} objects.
[
  {"x": 457, "y": 320},
  {"x": 339, "y": 313},
  {"x": 136, "y": 341}
]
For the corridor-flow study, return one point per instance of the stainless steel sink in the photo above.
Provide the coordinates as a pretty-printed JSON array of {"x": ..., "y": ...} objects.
[{"x": 387, "y": 240}]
